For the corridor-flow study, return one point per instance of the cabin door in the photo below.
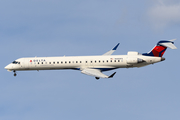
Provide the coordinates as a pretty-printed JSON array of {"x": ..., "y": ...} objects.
[{"x": 26, "y": 63}]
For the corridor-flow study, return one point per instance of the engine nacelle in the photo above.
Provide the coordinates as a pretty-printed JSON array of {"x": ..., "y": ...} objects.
[
  {"x": 133, "y": 53},
  {"x": 133, "y": 60}
]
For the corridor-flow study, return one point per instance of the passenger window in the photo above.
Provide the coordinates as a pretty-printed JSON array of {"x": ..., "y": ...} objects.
[
  {"x": 42, "y": 63},
  {"x": 69, "y": 61},
  {"x": 99, "y": 61},
  {"x": 57, "y": 62},
  {"x": 54, "y": 62},
  {"x": 114, "y": 60},
  {"x": 38, "y": 62},
  {"x": 49, "y": 62},
  {"x": 61, "y": 62},
  {"x": 95, "y": 61},
  {"x": 80, "y": 61},
  {"x": 107, "y": 61},
  {"x": 65, "y": 62},
  {"x": 111, "y": 60},
  {"x": 76, "y": 61},
  {"x": 86, "y": 61}
]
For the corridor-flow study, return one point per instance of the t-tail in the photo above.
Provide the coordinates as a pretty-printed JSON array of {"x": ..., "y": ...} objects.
[{"x": 160, "y": 48}]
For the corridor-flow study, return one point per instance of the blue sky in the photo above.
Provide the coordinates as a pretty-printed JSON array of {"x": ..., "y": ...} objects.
[{"x": 56, "y": 28}]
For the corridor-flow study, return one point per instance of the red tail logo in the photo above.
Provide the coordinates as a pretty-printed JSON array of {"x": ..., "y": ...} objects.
[{"x": 158, "y": 51}]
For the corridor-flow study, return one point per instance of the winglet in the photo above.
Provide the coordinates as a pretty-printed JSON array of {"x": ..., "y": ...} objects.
[
  {"x": 112, "y": 75},
  {"x": 111, "y": 51},
  {"x": 116, "y": 46}
]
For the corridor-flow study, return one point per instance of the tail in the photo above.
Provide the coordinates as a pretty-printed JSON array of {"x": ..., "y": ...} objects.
[{"x": 160, "y": 48}]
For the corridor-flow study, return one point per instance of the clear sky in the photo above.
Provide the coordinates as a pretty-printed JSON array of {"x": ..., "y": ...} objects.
[{"x": 31, "y": 28}]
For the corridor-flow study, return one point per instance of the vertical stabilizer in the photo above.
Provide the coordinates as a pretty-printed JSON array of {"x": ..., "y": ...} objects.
[{"x": 160, "y": 48}]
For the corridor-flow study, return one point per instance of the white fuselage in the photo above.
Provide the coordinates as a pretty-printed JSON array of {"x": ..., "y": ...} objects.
[
  {"x": 103, "y": 63},
  {"x": 94, "y": 65}
]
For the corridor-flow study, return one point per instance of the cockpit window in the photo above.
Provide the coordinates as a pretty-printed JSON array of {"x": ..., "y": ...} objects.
[{"x": 15, "y": 62}]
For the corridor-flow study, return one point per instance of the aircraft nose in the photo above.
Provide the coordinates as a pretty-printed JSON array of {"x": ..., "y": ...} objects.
[{"x": 7, "y": 67}]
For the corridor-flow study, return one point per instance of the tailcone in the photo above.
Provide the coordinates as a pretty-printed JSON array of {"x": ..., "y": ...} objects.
[{"x": 162, "y": 59}]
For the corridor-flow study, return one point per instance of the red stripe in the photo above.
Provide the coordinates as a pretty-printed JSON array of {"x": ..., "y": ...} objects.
[{"x": 157, "y": 50}]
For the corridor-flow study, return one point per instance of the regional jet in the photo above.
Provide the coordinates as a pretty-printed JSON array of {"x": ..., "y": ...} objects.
[{"x": 94, "y": 65}]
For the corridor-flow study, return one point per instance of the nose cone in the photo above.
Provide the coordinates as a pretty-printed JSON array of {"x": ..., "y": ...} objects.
[{"x": 8, "y": 67}]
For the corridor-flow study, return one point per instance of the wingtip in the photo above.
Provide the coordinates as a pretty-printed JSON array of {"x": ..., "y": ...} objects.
[
  {"x": 116, "y": 46},
  {"x": 112, "y": 75},
  {"x": 173, "y": 40}
]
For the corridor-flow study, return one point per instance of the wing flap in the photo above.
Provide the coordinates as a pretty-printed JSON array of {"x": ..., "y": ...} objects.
[{"x": 94, "y": 72}]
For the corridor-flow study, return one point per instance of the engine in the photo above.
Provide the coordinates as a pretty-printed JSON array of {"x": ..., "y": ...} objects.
[{"x": 133, "y": 60}]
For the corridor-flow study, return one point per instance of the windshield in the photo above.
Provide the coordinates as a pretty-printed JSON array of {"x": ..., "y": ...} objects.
[{"x": 15, "y": 62}]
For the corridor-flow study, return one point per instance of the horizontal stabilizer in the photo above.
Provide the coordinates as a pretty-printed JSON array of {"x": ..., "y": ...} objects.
[
  {"x": 111, "y": 51},
  {"x": 169, "y": 45}
]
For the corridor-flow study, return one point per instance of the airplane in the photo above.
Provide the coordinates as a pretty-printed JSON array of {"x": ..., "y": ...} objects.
[{"x": 94, "y": 65}]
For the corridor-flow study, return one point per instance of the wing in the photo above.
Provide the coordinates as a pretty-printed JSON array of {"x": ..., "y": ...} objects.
[
  {"x": 111, "y": 51},
  {"x": 96, "y": 73}
]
